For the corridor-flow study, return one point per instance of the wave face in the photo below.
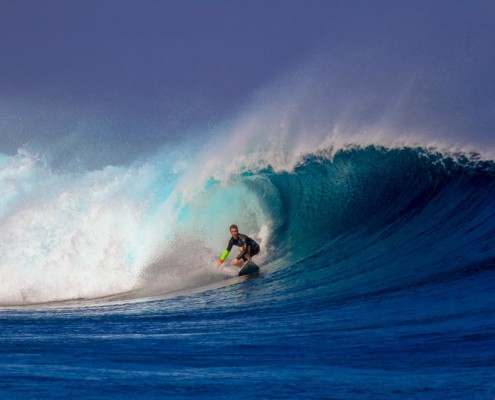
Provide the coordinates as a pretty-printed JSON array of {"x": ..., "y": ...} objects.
[
  {"x": 376, "y": 219},
  {"x": 365, "y": 219},
  {"x": 377, "y": 272}
]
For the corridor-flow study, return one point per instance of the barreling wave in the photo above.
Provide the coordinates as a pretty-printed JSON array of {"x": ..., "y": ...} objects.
[
  {"x": 371, "y": 221},
  {"x": 356, "y": 221}
]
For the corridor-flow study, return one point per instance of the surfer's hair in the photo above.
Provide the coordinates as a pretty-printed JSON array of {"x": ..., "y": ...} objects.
[{"x": 233, "y": 226}]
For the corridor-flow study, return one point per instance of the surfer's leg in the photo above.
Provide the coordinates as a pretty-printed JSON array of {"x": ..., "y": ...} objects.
[
  {"x": 250, "y": 253},
  {"x": 247, "y": 256}
]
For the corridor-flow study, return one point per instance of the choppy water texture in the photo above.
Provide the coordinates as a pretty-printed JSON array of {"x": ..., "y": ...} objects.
[{"x": 377, "y": 280}]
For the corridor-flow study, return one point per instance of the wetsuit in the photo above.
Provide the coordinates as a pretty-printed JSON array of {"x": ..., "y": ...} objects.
[{"x": 248, "y": 246}]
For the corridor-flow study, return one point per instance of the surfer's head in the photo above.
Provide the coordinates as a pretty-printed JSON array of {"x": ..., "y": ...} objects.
[{"x": 234, "y": 231}]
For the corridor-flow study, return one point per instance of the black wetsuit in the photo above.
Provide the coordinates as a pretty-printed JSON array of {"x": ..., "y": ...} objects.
[{"x": 248, "y": 246}]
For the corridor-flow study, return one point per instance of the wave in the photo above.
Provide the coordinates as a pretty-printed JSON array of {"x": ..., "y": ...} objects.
[
  {"x": 374, "y": 221},
  {"x": 348, "y": 221}
]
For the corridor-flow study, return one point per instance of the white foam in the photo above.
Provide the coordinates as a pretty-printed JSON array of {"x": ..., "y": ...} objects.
[
  {"x": 73, "y": 236},
  {"x": 98, "y": 233}
]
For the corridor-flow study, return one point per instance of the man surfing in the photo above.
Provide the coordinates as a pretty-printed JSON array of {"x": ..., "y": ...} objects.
[{"x": 248, "y": 247}]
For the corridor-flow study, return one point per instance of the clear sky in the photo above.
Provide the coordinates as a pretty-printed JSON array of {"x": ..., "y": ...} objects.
[{"x": 144, "y": 72}]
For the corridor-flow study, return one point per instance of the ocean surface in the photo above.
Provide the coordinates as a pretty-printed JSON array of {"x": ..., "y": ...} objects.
[{"x": 377, "y": 277}]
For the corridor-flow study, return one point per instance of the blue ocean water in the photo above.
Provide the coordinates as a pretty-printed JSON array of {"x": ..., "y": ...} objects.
[{"x": 377, "y": 279}]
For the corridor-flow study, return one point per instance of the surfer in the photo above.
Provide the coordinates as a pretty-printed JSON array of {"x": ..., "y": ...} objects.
[{"x": 248, "y": 247}]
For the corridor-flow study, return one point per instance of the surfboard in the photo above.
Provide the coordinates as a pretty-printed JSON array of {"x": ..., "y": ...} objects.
[{"x": 249, "y": 268}]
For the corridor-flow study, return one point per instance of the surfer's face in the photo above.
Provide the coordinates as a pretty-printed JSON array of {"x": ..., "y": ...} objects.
[{"x": 234, "y": 232}]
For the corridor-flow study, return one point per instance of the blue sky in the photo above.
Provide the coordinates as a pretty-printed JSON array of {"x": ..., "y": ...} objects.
[{"x": 145, "y": 72}]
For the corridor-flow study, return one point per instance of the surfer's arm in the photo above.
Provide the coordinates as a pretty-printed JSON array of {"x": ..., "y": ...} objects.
[
  {"x": 224, "y": 255},
  {"x": 226, "y": 252}
]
